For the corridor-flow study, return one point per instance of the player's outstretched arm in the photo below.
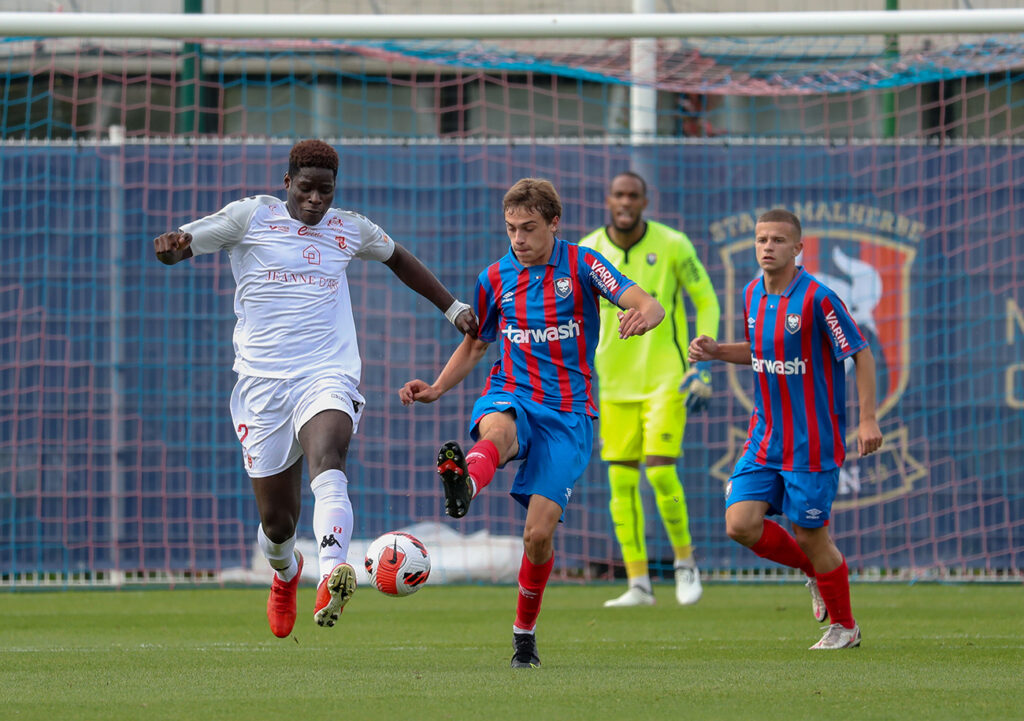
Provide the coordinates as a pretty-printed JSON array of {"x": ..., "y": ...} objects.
[
  {"x": 173, "y": 247},
  {"x": 704, "y": 348},
  {"x": 641, "y": 312},
  {"x": 462, "y": 361},
  {"x": 411, "y": 271},
  {"x": 869, "y": 435}
]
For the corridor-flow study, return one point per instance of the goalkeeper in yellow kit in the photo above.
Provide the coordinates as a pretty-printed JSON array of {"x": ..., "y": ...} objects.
[{"x": 646, "y": 384}]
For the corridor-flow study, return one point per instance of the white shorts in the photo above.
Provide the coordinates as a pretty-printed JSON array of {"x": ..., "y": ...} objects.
[{"x": 268, "y": 413}]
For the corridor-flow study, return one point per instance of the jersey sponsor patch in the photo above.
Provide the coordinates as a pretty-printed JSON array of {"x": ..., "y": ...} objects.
[
  {"x": 837, "y": 331},
  {"x": 603, "y": 278},
  {"x": 540, "y": 335},
  {"x": 795, "y": 367}
]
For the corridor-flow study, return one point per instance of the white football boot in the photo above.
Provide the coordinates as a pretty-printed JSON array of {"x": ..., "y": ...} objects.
[
  {"x": 688, "y": 588},
  {"x": 817, "y": 602},
  {"x": 635, "y": 596},
  {"x": 836, "y": 636}
]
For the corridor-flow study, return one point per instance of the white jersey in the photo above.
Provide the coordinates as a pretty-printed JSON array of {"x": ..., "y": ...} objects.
[{"x": 291, "y": 292}]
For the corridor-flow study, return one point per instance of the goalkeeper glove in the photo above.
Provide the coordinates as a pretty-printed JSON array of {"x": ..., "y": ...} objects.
[{"x": 697, "y": 383}]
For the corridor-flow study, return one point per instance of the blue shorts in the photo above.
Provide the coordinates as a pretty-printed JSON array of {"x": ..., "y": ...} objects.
[
  {"x": 554, "y": 446},
  {"x": 804, "y": 497}
]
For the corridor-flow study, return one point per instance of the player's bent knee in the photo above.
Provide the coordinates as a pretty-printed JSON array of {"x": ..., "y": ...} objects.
[
  {"x": 743, "y": 532},
  {"x": 537, "y": 544},
  {"x": 279, "y": 528},
  {"x": 812, "y": 539}
]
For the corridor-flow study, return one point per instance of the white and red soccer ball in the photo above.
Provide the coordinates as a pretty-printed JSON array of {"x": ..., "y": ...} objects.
[{"x": 397, "y": 563}]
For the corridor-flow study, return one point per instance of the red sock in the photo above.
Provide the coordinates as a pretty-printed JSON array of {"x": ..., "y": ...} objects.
[
  {"x": 835, "y": 591},
  {"x": 777, "y": 545},
  {"x": 532, "y": 581},
  {"x": 482, "y": 461}
]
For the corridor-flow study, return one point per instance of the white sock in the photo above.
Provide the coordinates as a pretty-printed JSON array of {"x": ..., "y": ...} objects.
[
  {"x": 642, "y": 582},
  {"x": 517, "y": 630},
  {"x": 280, "y": 556},
  {"x": 332, "y": 518}
]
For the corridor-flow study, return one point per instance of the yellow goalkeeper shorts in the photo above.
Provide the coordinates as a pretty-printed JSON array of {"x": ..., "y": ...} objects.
[{"x": 633, "y": 430}]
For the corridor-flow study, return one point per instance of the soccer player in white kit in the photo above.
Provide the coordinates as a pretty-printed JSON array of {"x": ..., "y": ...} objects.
[{"x": 297, "y": 360}]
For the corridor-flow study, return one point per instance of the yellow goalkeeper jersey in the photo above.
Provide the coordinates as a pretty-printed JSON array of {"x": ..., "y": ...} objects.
[{"x": 664, "y": 263}]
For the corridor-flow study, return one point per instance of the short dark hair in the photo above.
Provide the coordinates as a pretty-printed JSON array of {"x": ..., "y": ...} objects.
[
  {"x": 312, "y": 154},
  {"x": 534, "y": 194},
  {"x": 781, "y": 215},
  {"x": 634, "y": 176}
]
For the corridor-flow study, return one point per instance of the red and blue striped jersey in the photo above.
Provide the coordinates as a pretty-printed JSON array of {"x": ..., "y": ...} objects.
[
  {"x": 799, "y": 341},
  {"x": 548, "y": 322}
]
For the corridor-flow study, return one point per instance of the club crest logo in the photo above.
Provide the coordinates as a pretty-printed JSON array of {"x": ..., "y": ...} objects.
[
  {"x": 865, "y": 255},
  {"x": 652, "y": 258},
  {"x": 792, "y": 323},
  {"x": 563, "y": 287}
]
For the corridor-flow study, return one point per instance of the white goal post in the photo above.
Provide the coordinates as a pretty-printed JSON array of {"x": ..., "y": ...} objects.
[{"x": 607, "y": 25}]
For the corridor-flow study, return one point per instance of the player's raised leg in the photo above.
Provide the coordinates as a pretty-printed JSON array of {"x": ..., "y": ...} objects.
[
  {"x": 325, "y": 439},
  {"x": 466, "y": 475},
  {"x": 454, "y": 472},
  {"x": 332, "y": 525}
]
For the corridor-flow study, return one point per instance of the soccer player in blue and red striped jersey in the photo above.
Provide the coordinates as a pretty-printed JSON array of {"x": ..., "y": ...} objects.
[
  {"x": 799, "y": 334},
  {"x": 540, "y": 301}
]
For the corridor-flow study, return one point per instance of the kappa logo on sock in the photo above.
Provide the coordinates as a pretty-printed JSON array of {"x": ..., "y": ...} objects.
[{"x": 329, "y": 540}]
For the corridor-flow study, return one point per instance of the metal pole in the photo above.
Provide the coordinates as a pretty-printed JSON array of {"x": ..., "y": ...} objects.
[
  {"x": 643, "y": 93},
  {"x": 115, "y": 255},
  {"x": 892, "y": 51},
  {"x": 188, "y": 91},
  {"x": 608, "y": 25}
]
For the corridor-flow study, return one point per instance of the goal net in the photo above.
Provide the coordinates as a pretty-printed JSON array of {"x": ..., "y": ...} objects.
[{"x": 901, "y": 154}]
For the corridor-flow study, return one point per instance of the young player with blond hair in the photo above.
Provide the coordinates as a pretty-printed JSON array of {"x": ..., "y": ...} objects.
[{"x": 539, "y": 302}]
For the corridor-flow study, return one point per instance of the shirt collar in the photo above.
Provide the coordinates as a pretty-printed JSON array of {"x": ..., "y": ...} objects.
[{"x": 800, "y": 273}]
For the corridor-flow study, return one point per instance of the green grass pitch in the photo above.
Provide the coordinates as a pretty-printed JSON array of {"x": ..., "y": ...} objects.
[{"x": 929, "y": 652}]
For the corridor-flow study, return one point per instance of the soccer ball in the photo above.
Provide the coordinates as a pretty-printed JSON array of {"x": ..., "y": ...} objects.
[{"x": 397, "y": 563}]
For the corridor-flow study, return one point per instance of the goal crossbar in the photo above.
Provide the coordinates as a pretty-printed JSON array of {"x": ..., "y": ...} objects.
[{"x": 606, "y": 25}]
